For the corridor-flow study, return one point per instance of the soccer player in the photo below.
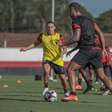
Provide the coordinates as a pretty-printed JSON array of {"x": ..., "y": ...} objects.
[
  {"x": 84, "y": 30},
  {"x": 107, "y": 60},
  {"x": 52, "y": 54}
]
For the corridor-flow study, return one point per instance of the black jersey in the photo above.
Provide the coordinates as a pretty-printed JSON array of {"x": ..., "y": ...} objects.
[{"x": 87, "y": 30}]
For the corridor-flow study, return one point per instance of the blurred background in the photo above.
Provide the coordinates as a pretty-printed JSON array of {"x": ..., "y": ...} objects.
[{"x": 22, "y": 20}]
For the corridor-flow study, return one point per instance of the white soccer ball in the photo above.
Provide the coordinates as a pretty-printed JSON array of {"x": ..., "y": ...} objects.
[{"x": 50, "y": 96}]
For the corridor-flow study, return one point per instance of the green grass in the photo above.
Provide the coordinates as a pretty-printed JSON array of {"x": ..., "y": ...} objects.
[{"x": 26, "y": 97}]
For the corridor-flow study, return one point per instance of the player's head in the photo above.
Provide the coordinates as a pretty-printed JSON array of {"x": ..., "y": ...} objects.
[
  {"x": 75, "y": 9},
  {"x": 51, "y": 27}
]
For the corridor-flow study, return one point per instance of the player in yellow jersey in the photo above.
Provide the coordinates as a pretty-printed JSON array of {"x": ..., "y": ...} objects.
[{"x": 52, "y": 54}]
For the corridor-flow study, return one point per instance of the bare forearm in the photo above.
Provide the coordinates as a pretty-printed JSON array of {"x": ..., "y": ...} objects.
[
  {"x": 64, "y": 50},
  {"x": 27, "y": 48},
  {"x": 101, "y": 36},
  {"x": 30, "y": 47},
  {"x": 102, "y": 39}
]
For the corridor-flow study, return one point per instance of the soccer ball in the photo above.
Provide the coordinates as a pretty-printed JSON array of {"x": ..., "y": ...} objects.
[{"x": 50, "y": 96}]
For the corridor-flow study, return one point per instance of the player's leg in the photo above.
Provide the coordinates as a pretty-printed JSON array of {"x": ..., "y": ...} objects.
[
  {"x": 107, "y": 82},
  {"x": 96, "y": 62},
  {"x": 79, "y": 79},
  {"x": 72, "y": 75},
  {"x": 61, "y": 72},
  {"x": 64, "y": 84},
  {"x": 72, "y": 80},
  {"x": 47, "y": 68},
  {"x": 91, "y": 74},
  {"x": 78, "y": 61},
  {"x": 51, "y": 75},
  {"x": 88, "y": 80},
  {"x": 109, "y": 73}
]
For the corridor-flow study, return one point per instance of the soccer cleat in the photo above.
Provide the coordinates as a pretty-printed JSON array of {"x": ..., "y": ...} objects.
[
  {"x": 66, "y": 94},
  {"x": 45, "y": 90},
  {"x": 70, "y": 98},
  {"x": 89, "y": 88},
  {"x": 52, "y": 79},
  {"x": 106, "y": 93}
]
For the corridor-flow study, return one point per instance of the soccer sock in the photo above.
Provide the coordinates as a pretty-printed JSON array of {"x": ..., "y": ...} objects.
[
  {"x": 80, "y": 81},
  {"x": 46, "y": 85},
  {"x": 65, "y": 90},
  {"x": 55, "y": 77}
]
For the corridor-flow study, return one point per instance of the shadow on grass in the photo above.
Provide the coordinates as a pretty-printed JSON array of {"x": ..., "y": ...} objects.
[
  {"x": 25, "y": 100},
  {"x": 21, "y": 95},
  {"x": 86, "y": 102}
]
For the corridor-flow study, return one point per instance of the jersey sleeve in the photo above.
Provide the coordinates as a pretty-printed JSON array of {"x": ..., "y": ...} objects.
[
  {"x": 38, "y": 40},
  {"x": 61, "y": 40},
  {"x": 75, "y": 24}
]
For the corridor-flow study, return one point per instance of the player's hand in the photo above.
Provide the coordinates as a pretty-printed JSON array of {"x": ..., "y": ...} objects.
[
  {"x": 23, "y": 49},
  {"x": 104, "y": 52}
]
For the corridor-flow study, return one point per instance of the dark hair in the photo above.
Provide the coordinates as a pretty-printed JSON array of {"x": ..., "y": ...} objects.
[
  {"x": 75, "y": 5},
  {"x": 51, "y": 22}
]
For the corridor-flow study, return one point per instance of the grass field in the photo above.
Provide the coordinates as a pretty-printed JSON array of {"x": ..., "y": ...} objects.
[{"x": 26, "y": 97}]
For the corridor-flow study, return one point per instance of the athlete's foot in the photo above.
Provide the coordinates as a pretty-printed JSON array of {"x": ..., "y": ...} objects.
[
  {"x": 71, "y": 97},
  {"x": 44, "y": 91},
  {"x": 66, "y": 94},
  {"x": 89, "y": 88},
  {"x": 52, "y": 79},
  {"x": 107, "y": 92}
]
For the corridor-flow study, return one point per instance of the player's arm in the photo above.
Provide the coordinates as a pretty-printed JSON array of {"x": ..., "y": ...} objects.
[
  {"x": 101, "y": 37},
  {"x": 75, "y": 38},
  {"x": 76, "y": 35},
  {"x": 36, "y": 43},
  {"x": 63, "y": 48},
  {"x": 100, "y": 34}
]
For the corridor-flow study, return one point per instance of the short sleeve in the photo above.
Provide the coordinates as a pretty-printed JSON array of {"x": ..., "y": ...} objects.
[
  {"x": 61, "y": 41},
  {"x": 76, "y": 24}
]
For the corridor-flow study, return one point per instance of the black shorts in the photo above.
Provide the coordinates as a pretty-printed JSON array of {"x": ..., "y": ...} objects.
[
  {"x": 90, "y": 56},
  {"x": 57, "y": 68}
]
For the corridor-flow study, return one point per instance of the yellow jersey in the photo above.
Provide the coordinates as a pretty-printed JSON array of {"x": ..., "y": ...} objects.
[{"x": 51, "y": 48}]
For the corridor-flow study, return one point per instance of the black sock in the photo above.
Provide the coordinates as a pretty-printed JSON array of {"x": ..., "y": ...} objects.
[
  {"x": 80, "y": 81},
  {"x": 73, "y": 93},
  {"x": 65, "y": 91}
]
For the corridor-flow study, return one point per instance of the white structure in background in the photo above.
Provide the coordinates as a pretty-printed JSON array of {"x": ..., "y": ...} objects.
[
  {"x": 53, "y": 10},
  {"x": 13, "y": 54}
]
